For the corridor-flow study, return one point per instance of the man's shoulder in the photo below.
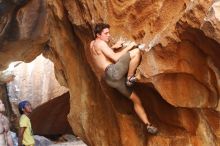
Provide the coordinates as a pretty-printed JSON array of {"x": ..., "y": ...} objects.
[
  {"x": 92, "y": 42},
  {"x": 102, "y": 45},
  {"x": 99, "y": 43}
]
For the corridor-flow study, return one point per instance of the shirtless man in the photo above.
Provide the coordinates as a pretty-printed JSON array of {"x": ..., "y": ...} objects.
[
  {"x": 5, "y": 136},
  {"x": 114, "y": 66}
]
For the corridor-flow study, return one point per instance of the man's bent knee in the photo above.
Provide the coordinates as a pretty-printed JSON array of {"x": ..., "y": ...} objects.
[{"x": 134, "y": 53}]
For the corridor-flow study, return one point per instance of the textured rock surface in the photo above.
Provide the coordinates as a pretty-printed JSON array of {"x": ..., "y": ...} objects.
[
  {"x": 77, "y": 143},
  {"x": 179, "y": 84},
  {"x": 69, "y": 140}
]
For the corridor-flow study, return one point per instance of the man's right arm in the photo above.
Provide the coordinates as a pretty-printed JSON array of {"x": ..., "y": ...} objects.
[
  {"x": 108, "y": 52},
  {"x": 118, "y": 44}
]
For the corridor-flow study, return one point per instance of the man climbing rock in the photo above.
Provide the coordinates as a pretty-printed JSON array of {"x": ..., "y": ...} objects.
[{"x": 118, "y": 68}]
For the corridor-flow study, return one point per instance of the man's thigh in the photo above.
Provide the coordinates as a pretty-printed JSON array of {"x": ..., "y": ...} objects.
[
  {"x": 120, "y": 86},
  {"x": 121, "y": 67}
]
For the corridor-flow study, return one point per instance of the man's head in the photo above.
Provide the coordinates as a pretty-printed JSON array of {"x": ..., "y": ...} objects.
[
  {"x": 24, "y": 107},
  {"x": 102, "y": 31}
]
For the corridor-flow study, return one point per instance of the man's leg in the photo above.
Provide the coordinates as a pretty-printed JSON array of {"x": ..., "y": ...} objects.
[
  {"x": 139, "y": 108},
  {"x": 135, "y": 61},
  {"x": 142, "y": 114}
]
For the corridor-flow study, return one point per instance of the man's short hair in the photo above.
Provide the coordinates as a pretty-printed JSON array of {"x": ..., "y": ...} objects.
[
  {"x": 99, "y": 28},
  {"x": 21, "y": 106}
]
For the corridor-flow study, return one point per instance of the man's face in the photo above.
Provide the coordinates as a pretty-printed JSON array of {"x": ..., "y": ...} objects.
[{"x": 105, "y": 35}]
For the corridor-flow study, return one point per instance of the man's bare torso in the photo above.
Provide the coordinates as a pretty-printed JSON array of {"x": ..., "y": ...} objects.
[{"x": 100, "y": 61}]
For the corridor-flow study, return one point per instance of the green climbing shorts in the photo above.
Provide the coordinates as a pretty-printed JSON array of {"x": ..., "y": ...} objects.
[{"x": 115, "y": 75}]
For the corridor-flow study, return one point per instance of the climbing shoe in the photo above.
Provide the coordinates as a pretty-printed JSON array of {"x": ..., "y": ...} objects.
[
  {"x": 151, "y": 129},
  {"x": 130, "y": 81}
]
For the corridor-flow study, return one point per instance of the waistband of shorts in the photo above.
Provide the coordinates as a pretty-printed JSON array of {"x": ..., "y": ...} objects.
[{"x": 107, "y": 68}]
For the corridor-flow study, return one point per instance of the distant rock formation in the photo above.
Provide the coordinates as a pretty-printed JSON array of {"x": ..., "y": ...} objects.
[{"x": 34, "y": 81}]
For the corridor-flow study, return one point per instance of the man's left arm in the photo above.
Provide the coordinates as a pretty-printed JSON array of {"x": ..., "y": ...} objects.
[{"x": 117, "y": 45}]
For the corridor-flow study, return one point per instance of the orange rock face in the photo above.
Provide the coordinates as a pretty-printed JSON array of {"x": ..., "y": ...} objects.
[{"x": 179, "y": 84}]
